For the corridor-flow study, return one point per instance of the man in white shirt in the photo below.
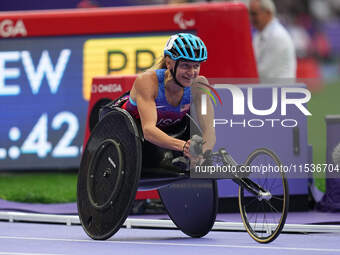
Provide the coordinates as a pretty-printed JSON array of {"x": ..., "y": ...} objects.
[{"x": 273, "y": 46}]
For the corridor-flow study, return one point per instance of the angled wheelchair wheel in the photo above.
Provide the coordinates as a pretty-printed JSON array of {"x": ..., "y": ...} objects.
[
  {"x": 109, "y": 174},
  {"x": 265, "y": 215},
  {"x": 191, "y": 205}
]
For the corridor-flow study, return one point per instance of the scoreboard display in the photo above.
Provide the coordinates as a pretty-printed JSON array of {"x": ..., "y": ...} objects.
[{"x": 49, "y": 58}]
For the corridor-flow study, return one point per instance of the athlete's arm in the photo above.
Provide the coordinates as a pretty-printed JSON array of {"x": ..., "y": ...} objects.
[
  {"x": 206, "y": 121},
  {"x": 146, "y": 89}
]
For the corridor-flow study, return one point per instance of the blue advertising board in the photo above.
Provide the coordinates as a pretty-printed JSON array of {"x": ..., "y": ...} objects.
[{"x": 42, "y": 107}]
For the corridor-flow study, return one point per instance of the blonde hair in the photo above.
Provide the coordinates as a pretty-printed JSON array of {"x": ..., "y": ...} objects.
[{"x": 160, "y": 64}]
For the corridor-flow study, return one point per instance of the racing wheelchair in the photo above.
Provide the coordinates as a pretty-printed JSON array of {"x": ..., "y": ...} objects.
[{"x": 117, "y": 162}]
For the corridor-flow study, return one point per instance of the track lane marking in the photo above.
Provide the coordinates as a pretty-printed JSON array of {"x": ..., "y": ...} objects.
[
  {"x": 26, "y": 253},
  {"x": 177, "y": 244}
]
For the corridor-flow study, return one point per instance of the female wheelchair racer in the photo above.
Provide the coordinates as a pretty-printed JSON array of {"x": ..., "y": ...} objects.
[
  {"x": 138, "y": 138},
  {"x": 162, "y": 97}
]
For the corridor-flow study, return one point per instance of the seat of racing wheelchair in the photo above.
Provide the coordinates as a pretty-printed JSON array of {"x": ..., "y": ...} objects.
[{"x": 117, "y": 162}]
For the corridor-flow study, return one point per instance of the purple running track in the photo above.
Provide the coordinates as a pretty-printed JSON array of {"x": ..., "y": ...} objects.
[{"x": 51, "y": 239}]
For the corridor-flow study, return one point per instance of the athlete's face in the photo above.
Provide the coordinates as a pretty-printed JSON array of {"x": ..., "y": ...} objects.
[{"x": 187, "y": 71}]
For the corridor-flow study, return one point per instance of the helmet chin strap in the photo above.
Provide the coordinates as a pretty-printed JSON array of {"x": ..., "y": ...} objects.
[{"x": 173, "y": 73}]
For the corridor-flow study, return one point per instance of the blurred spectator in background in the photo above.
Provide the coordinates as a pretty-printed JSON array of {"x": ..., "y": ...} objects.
[{"x": 273, "y": 46}]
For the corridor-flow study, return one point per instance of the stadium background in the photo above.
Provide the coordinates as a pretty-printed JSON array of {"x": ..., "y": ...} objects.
[{"x": 315, "y": 27}]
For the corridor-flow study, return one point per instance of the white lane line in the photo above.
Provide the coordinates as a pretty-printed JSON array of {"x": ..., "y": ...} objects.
[
  {"x": 177, "y": 244},
  {"x": 24, "y": 253}
]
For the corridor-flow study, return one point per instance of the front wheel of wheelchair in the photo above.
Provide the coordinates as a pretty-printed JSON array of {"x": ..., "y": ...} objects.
[{"x": 264, "y": 215}]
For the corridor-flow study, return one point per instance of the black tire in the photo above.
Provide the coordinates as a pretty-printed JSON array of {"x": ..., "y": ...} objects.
[
  {"x": 264, "y": 219},
  {"x": 109, "y": 174}
]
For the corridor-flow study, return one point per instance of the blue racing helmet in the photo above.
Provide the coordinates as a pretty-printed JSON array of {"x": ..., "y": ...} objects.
[{"x": 186, "y": 46}]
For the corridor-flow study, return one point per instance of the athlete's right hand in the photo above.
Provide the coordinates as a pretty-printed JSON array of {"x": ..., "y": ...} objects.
[{"x": 196, "y": 143}]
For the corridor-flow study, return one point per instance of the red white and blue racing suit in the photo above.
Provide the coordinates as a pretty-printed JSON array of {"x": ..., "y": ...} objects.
[{"x": 167, "y": 114}]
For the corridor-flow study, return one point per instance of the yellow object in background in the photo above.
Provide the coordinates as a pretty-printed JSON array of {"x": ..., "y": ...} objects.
[{"x": 119, "y": 56}]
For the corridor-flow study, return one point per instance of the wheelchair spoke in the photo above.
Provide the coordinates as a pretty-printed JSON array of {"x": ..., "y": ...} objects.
[{"x": 278, "y": 198}]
